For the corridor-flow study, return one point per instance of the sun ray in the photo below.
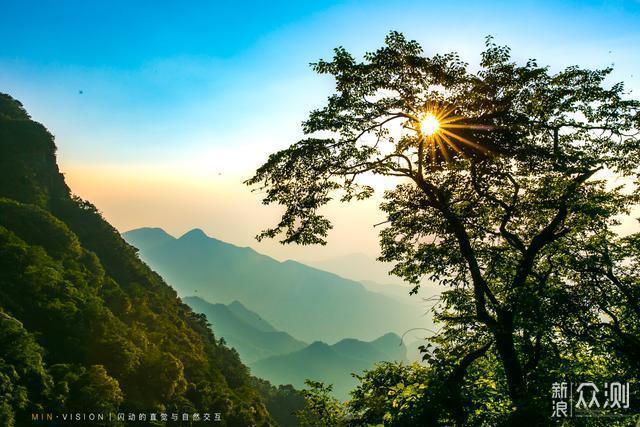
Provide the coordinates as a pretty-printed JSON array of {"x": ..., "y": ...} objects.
[
  {"x": 443, "y": 149},
  {"x": 453, "y": 119},
  {"x": 444, "y": 113},
  {"x": 454, "y": 126},
  {"x": 452, "y": 144},
  {"x": 465, "y": 140}
]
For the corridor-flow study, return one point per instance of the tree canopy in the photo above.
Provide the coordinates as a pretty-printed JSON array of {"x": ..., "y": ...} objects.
[{"x": 502, "y": 197}]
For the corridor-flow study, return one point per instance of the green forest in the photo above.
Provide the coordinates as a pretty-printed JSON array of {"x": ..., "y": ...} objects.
[{"x": 84, "y": 324}]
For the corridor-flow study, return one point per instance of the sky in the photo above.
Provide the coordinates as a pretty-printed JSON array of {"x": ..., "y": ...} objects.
[{"x": 162, "y": 109}]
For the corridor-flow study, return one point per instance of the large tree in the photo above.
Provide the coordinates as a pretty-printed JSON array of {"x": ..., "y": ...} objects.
[{"x": 502, "y": 197}]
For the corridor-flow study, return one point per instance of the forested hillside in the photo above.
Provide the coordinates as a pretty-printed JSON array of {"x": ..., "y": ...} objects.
[{"x": 84, "y": 324}]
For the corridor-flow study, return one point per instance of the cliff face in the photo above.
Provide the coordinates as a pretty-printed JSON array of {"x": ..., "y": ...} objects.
[{"x": 84, "y": 324}]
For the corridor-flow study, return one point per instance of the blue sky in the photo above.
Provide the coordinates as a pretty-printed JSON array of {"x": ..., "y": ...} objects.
[{"x": 181, "y": 100}]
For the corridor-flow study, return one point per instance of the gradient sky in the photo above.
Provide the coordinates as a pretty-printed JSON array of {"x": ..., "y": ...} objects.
[{"x": 161, "y": 109}]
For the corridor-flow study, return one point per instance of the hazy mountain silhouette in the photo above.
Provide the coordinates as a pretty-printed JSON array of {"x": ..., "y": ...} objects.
[
  {"x": 375, "y": 277},
  {"x": 282, "y": 359},
  {"x": 332, "y": 364},
  {"x": 249, "y": 317},
  {"x": 248, "y": 333},
  {"x": 308, "y": 303},
  {"x": 357, "y": 266}
]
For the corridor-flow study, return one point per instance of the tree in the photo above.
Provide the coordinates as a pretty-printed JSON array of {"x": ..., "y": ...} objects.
[
  {"x": 321, "y": 409},
  {"x": 500, "y": 192},
  {"x": 393, "y": 394},
  {"x": 82, "y": 388},
  {"x": 607, "y": 273},
  {"x": 23, "y": 377}
]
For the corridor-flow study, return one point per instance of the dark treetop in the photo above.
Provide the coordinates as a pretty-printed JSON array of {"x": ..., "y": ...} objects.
[{"x": 502, "y": 204}]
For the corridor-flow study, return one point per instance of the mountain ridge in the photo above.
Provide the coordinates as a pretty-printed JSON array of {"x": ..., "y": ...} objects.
[
  {"x": 284, "y": 292},
  {"x": 333, "y": 364},
  {"x": 254, "y": 340}
]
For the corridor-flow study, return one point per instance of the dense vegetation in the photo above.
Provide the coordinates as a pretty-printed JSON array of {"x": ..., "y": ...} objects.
[
  {"x": 502, "y": 198},
  {"x": 392, "y": 393},
  {"x": 84, "y": 324}
]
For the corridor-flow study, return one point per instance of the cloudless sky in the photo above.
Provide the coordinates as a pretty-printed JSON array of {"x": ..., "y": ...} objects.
[{"x": 160, "y": 109}]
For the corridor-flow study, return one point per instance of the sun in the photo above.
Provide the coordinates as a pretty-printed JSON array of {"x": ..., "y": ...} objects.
[
  {"x": 441, "y": 130},
  {"x": 429, "y": 124}
]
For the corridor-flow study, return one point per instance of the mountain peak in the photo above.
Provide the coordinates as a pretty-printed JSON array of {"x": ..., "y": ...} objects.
[
  {"x": 149, "y": 231},
  {"x": 389, "y": 336},
  {"x": 318, "y": 344},
  {"x": 237, "y": 304},
  {"x": 147, "y": 237},
  {"x": 196, "y": 233}
]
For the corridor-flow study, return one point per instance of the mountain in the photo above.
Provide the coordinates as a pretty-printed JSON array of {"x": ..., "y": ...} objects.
[
  {"x": 282, "y": 359},
  {"x": 332, "y": 364},
  {"x": 359, "y": 267},
  {"x": 375, "y": 277},
  {"x": 152, "y": 237},
  {"x": 308, "y": 303},
  {"x": 248, "y": 333},
  {"x": 250, "y": 317},
  {"x": 423, "y": 299},
  {"x": 84, "y": 324}
]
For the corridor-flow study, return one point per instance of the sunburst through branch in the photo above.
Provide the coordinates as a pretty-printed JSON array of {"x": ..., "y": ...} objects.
[{"x": 447, "y": 135}]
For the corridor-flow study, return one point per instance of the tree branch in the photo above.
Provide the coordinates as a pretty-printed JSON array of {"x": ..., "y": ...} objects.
[
  {"x": 548, "y": 234},
  {"x": 510, "y": 237}
]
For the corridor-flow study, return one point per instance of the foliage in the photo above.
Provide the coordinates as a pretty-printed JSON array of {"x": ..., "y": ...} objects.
[
  {"x": 90, "y": 387},
  {"x": 283, "y": 401},
  {"x": 391, "y": 394},
  {"x": 507, "y": 206},
  {"x": 321, "y": 408},
  {"x": 24, "y": 382}
]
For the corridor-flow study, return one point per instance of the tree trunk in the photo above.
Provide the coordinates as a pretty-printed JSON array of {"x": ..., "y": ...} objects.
[
  {"x": 503, "y": 335},
  {"x": 523, "y": 413}
]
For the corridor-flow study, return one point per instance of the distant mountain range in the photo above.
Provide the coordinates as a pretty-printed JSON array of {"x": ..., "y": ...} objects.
[
  {"x": 357, "y": 266},
  {"x": 253, "y": 337},
  {"x": 332, "y": 364},
  {"x": 374, "y": 275},
  {"x": 308, "y": 303},
  {"x": 280, "y": 358}
]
